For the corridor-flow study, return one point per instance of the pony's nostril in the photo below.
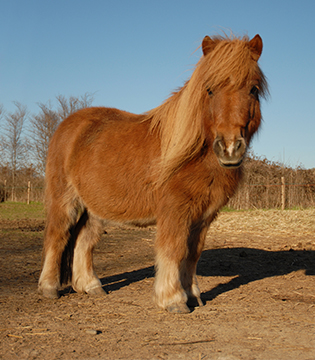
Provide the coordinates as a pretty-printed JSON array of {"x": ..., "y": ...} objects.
[
  {"x": 221, "y": 145},
  {"x": 218, "y": 146},
  {"x": 238, "y": 145}
]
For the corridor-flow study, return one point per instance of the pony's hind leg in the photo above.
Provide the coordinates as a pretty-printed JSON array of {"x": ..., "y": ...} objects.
[
  {"x": 84, "y": 278},
  {"x": 57, "y": 236}
]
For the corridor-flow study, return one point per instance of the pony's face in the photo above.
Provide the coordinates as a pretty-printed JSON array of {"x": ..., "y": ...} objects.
[
  {"x": 234, "y": 104},
  {"x": 234, "y": 116}
]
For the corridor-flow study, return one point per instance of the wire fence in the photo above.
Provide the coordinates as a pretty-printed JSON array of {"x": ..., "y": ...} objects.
[
  {"x": 281, "y": 195},
  {"x": 273, "y": 196},
  {"x": 27, "y": 193}
]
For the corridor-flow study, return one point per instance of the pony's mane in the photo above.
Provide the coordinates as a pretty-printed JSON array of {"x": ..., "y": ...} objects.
[{"x": 179, "y": 119}]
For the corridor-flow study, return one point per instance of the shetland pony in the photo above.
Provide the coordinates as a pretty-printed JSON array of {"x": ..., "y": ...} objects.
[{"x": 175, "y": 166}]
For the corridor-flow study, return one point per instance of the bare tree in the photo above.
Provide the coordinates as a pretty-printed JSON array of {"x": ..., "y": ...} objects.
[
  {"x": 2, "y": 138},
  {"x": 69, "y": 106},
  {"x": 44, "y": 124},
  {"x": 14, "y": 144},
  {"x": 43, "y": 127}
]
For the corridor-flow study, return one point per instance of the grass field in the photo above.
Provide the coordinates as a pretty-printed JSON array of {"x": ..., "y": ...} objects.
[
  {"x": 18, "y": 211},
  {"x": 288, "y": 220}
]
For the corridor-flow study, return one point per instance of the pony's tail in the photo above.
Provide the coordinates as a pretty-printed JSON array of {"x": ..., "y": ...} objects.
[{"x": 67, "y": 260}]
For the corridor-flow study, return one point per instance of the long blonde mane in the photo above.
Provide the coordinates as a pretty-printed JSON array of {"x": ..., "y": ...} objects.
[{"x": 179, "y": 119}]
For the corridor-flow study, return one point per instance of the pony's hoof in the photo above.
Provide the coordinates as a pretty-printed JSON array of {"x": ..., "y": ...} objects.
[
  {"x": 97, "y": 291},
  {"x": 178, "y": 309},
  {"x": 49, "y": 293}
]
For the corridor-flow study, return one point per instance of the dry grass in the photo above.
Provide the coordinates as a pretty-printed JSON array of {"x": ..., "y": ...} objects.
[
  {"x": 288, "y": 222},
  {"x": 256, "y": 278}
]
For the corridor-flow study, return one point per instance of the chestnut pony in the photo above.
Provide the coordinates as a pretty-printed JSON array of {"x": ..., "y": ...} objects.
[{"x": 175, "y": 166}]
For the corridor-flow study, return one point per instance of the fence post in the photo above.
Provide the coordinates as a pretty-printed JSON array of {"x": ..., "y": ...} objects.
[
  {"x": 5, "y": 190},
  {"x": 28, "y": 192},
  {"x": 267, "y": 193},
  {"x": 282, "y": 193},
  {"x": 247, "y": 205}
]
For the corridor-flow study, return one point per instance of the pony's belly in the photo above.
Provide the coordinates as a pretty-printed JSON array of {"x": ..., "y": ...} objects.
[
  {"x": 118, "y": 209},
  {"x": 145, "y": 222}
]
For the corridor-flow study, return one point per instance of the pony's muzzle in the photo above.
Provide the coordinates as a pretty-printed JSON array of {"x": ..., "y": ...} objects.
[{"x": 229, "y": 155}]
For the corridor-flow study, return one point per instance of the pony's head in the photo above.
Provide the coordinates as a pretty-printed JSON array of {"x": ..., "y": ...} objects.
[
  {"x": 234, "y": 84},
  {"x": 218, "y": 106}
]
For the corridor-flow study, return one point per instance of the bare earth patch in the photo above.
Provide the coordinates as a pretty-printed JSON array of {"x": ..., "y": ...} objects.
[{"x": 256, "y": 274}]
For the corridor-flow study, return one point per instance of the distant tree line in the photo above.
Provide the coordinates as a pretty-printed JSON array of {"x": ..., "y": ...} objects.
[
  {"x": 24, "y": 140},
  {"x": 272, "y": 185}
]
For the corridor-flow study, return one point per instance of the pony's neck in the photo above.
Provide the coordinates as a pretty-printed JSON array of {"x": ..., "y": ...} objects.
[{"x": 179, "y": 124}]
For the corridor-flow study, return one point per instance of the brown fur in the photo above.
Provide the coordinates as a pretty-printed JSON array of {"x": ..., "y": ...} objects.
[{"x": 165, "y": 165}]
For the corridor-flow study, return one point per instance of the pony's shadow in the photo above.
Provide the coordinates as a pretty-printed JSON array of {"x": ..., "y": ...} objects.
[
  {"x": 118, "y": 281},
  {"x": 245, "y": 265}
]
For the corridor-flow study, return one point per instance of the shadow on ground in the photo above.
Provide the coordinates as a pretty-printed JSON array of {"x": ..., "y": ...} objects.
[{"x": 244, "y": 264}]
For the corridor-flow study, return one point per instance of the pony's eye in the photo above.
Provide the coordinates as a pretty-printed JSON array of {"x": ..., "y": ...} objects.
[
  {"x": 254, "y": 91},
  {"x": 210, "y": 93}
]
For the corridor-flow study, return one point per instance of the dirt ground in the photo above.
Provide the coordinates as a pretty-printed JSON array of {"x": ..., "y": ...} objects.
[{"x": 256, "y": 274}]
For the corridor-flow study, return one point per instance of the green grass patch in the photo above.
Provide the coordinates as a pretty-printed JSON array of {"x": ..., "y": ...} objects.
[{"x": 17, "y": 211}]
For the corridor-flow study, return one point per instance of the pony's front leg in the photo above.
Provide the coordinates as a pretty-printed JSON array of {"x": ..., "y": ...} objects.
[
  {"x": 188, "y": 276},
  {"x": 84, "y": 279},
  {"x": 171, "y": 250},
  {"x": 190, "y": 283}
]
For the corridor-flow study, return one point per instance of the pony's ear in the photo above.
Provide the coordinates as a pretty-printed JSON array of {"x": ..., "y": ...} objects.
[
  {"x": 207, "y": 45},
  {"x": 256, "y": 46}
]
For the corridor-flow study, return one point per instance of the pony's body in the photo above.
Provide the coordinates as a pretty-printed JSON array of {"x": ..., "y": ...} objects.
[{"x": 177, "y": 166}]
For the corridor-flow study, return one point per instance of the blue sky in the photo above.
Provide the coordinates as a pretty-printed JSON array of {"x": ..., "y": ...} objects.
[{"x": 132, "y": 54}]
